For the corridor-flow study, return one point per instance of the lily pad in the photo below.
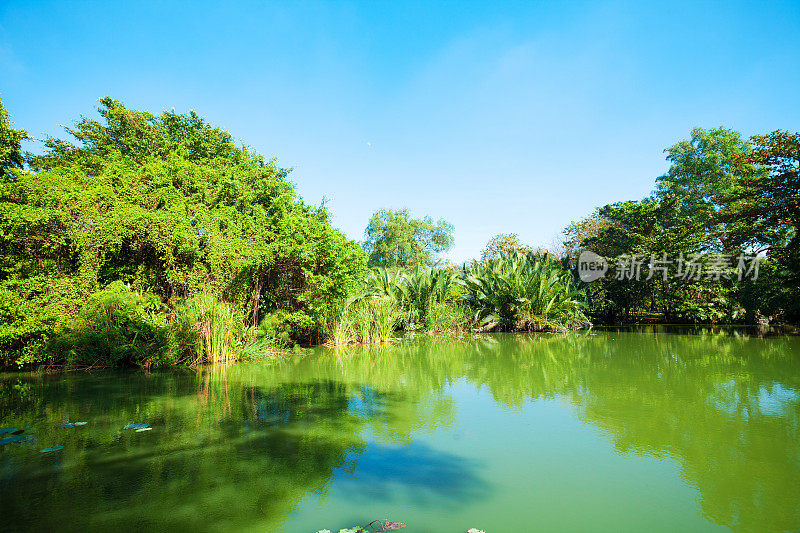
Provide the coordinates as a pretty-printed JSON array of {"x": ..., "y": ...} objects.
[
  {"x": 137, "y": 426},
  {"x": 51, "y": 449},
  {"x": 9, "y": 440},
  {"x": 71, "y": 425},
  {"x": 385, "y": 525}
]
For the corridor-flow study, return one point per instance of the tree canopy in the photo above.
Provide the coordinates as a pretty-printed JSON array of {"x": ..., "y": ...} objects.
[
  {"x": 168, "y": 205},
  {"x": 504, "y": 244},
  {"x": 395, "y": 239},
  {"x": 11, "y": 156}
]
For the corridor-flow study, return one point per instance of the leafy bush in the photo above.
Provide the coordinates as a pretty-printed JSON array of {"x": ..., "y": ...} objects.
[
  {"x": 24, "y": 329},
  {"x": 170, "y": 206},
  {"x": 523, "y": 292},
  {"x": 117, "y": 326}
]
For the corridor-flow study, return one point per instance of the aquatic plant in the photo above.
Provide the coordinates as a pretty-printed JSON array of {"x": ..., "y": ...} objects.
[
  {"x": 364, "y": 320},
  {"x": 210, "y": 329}
]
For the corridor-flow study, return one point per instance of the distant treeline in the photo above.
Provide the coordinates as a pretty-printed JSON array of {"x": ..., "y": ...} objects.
[{"x": 150, "y": 240}]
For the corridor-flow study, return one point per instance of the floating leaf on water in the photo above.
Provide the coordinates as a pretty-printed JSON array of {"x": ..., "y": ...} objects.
[
  {"x": 51, "y": 449},
  {"x": 71, "y": 425},
  {"x": 143, "y": 429},
  {"x": 9, "y": 440},
  {"x": 137, "y": 425},
  {"x": 385, "y": 525}
]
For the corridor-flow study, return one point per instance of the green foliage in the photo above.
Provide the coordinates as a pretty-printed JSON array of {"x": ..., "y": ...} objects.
[
  {"x": 414, "y": 291},
  {"x": 503, "y": 244},
  {"x": 578, "y": 232},
  {"x": 419, "y": 290},
  {"x": 365, "y": 320},
  {"x": 523, "y": 292},
  {"x": 516, "y": 292},
  {"x": 764, "y": 210},
  {"x": 209, "y": 329},
  {"x": 419, "y": 299},
  {"x": 117, "y": 326},
  {"x": 703, "y": 172},
  {"x": 170, "y": 206},
  {"x": 449, "y": 317},
  {"x": 11, "y": 157},
  {"x": 395, "y": 239},
  {"x": 24, "y": 328},
  {"x": 720, "y": 195}
]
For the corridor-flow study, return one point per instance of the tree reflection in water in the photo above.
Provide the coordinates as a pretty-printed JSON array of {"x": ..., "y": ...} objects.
[{"x": 240, "y": 447}]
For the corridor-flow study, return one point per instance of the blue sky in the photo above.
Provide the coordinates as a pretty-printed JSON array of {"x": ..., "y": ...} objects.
[{"x": 498, "y": 117}]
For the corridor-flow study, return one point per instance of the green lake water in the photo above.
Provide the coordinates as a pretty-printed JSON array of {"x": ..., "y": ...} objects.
[{"x": 644, "y": 430}]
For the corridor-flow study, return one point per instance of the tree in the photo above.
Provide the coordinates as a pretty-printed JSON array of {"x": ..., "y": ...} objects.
[
  {"x": 395, "y": 239},
  {"x": 576, "y": 233},
  {"x": 11, "y": 157},
  {"x": 766, "y": 204},
  {"x": 504, "y": 244},
  {"x": 765, "y": 208},
  {"x": 703, "y": 172},
  {"x": 655, "y": 229},
  {"x": 168, "y": 205}
]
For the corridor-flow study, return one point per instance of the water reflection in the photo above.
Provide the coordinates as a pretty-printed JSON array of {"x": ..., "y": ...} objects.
[{"x": 241, "y": 447}]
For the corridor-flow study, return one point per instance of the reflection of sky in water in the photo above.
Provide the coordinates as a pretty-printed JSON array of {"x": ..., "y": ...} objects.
[
  {"x": 367, "y": 402},
  {"x": 417, "y": 471},
  {"x": 773, "y": 399},
  {"x": 777, "y": 400}
]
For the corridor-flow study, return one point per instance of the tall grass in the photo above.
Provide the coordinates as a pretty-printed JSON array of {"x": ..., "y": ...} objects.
[
  {"x": 337, "y": 325},
  {"x": 366, "y": 320},
  {"x": 210, "y": 329},
  {"x": 385, "y": 315}
]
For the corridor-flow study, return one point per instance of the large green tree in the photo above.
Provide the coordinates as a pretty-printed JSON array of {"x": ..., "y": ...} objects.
[
  {"x": 703, "y": 171},
  {"x": 171, "y": 206},
  {"x": 766, "y": 204},
  {"x": 764, "y": 209},
  {"x": 395, "y": 239}
]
